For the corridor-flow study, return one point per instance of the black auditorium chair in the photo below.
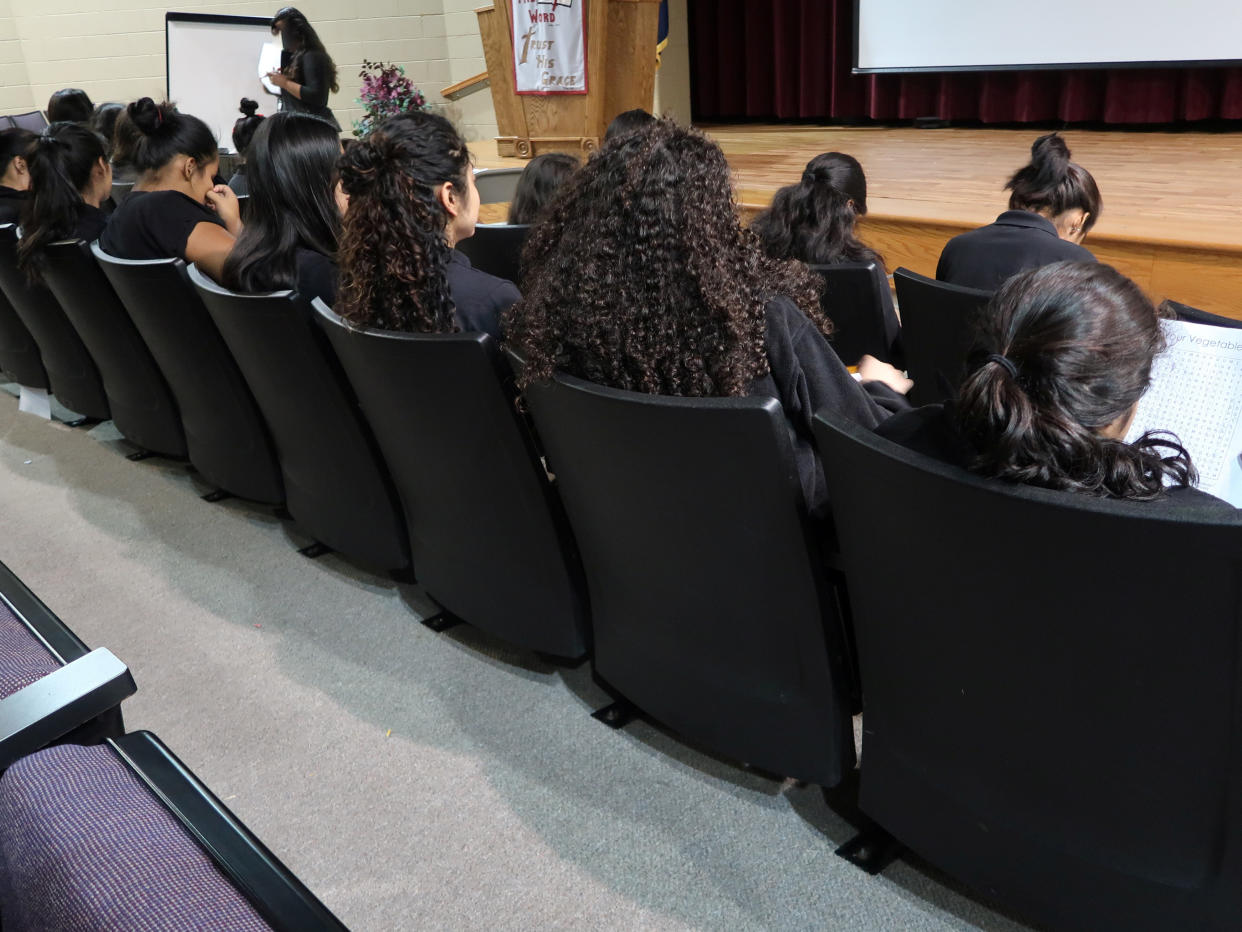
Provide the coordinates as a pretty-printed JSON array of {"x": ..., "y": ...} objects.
[
  {"x": 33, "y": 120},
  {"x": 53, "y": 688},
  {"x": 1193, "y": 315},
  {"x": 477, "y": 500},
  {"x": 496, "y": 248},
  {"x": 19, "y": 353},
  {"x": 709, "y": 606},
  {"x": 497, "y": 185},
  {"x": 142, "y": 406},
  {"x": 336, "y": 486},
  {"x": 73, "y": 375},
  {"x": 859, "y": 302},
  {"x": 1051, "y": 702},
  {"x": 225, "y": 434},
  {"x": 938, "y": 323},
  {"x": 120, "y": 191}
]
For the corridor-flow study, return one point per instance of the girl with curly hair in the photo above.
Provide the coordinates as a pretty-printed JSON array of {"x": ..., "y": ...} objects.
[
  {"x": 641, "y": 277},
  {"x": 411, "y": 199},
  {"x": 814, "y": 219},
  {"x": 1062, "y": 359}
]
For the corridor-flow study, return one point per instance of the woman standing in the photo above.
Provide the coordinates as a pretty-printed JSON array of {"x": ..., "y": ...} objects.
[{"x": 309, "y": 73}]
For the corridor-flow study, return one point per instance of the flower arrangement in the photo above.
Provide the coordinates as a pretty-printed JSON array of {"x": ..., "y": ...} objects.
[{"x": 386, "y": 91}]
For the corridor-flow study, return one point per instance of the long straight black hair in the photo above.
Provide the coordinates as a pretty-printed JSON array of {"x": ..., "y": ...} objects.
[
  {"x": 292, "y": 171},
  {"x": 60, "y": 169},
  {"x": 291, "y": 21}
]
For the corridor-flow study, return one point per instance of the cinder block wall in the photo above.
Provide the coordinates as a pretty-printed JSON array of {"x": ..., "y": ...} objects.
[{"x": 118, "y": 53}]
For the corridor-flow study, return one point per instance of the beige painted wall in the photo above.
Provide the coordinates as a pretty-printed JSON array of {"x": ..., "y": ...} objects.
[{"x": 118, "y": 53}]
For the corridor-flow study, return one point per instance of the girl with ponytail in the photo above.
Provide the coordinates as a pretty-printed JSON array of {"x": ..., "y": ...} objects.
[
  {"x": 243, "y": 133},
  {"x": 411, "y": 199},
  {"x": 1062, "y": 359},
  {"x": 813, "y": 221},
  {"x": 15, "y": 146},
  {"x": 69, "y": 179},
  {"x": 180, "y": 212},
  {"x": 1053, "y": 204}
]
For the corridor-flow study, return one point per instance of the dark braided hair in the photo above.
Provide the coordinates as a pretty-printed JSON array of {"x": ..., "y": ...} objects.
[
  {"x": 814, "y": 219},
  {"x": 1081, "y": 337},
  {"x": 640, "y": 276},
  {"x": 393, "y": 254}
]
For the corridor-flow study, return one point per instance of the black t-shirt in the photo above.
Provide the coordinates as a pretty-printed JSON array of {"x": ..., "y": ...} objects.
[
  {"x": 1018, "y": 240},
  {"x": 314, "y": 73},
  {"x": 931, "y": 431},
  {"x": 317, "y": 276},
  {"x": 91, "y": 223},
  {"x": 479, "y": 298},
  {"x": 11, "y": 201},
  {"x": 154, "y": 225}
]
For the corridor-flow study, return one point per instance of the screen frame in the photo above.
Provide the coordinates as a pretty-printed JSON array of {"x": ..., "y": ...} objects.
[
  {"x": 232, "y": 20},
  {"x": 1051, "y": 66}
]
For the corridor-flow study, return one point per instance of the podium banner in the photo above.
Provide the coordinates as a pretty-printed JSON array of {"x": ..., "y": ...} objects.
[{"x": 549, "y": 46}]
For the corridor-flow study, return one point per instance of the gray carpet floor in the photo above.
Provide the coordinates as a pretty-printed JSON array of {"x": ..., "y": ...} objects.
[{"x": 413, "y": 780}]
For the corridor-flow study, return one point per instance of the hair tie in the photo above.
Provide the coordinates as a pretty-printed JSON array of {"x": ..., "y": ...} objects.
[
  {"x": 159, "y": 117},
  {"x": 1005, "y": 363}
]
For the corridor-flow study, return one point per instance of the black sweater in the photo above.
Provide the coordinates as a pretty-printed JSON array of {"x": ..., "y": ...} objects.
[
  {"x": 1018, "y": 240},
  {"x": 313, "y": 72}
]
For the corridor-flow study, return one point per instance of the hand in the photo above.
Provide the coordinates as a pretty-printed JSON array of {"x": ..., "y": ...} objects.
[
  {"x": 224, "y": 202},
  {"x": 871, "y": 369},
  {"x": 279, "y": 78}
]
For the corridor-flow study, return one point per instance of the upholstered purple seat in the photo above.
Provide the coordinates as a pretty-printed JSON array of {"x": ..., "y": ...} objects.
[
  {"x": 84, "y": 845},
  {"x": 23, "y": 660}
]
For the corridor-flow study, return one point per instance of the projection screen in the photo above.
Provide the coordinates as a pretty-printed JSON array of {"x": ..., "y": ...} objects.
[{"x": 985, "y": 35}]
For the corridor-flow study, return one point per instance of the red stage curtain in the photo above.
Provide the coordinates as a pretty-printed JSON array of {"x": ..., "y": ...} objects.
[{"x": 791, "y": 59}]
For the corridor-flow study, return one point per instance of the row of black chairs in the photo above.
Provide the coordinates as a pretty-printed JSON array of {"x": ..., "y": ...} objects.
[{"x": 74, "y": 786}]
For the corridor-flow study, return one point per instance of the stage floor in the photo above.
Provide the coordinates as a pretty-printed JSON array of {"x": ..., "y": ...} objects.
[{"x": 1172, "y": 215}]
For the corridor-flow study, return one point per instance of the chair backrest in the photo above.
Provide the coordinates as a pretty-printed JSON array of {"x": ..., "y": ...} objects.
[
  {"x": 120, "y": 191},
  {"x": 33, "y": 120},
  {"x": 496, "y": 248},
  {"x": 1050, "y": 687},
  {"x": 480, "y": 507},
  {"x": 19, "y": 353},
  {"x": 859, "y": 303},
  {"x": 141, "y": 403},
  {"x": 497, "y": 185},
  {"x": 938, "y": 323},
  {"x": 71, "y": 371},
  {"x": 1195, "y": 316},
  {"x": 336, "y": 486},
  {"x": 225, "y": 433},
  {"x": 708, "y": 605}
]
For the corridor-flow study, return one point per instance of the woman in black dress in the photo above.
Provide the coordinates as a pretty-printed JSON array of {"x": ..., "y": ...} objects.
[{"x": 309, "y": 73}]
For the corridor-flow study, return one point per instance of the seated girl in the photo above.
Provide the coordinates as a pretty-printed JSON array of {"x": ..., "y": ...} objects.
[
  {"x": 180, "y": 212},
  {"x": 1053, "y": 204},
  {"x": 814, "y": 220},
  {"x": 411, "y": 199},
  {"x": 243, "y": 133},
  {"x": 541, "y": 179},
  {"x": 1061, "y": 362},
  {"x": 642, "y": 278},
  {"x": 70, "y": 178},
  {"x": 15, "y": 146},
  {"x": 290, "y": 238}
]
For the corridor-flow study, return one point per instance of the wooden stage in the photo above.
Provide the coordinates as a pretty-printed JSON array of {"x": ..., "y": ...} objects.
[{"x": 1172, "y": 217}]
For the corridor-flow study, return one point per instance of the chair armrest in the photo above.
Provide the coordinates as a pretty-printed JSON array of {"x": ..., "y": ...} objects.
[
  {"x": 44, "y": 711},
  {"x": 279, "y": 897}
]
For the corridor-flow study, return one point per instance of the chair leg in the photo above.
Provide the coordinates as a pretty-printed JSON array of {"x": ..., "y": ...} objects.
[
  {"x": 218, "y": 495},
  {"x": 312, "y": 551},
  {"x": 80, "y": 421},
  {"x": 617, "y": 715},
  {"x": 441, "y": 621},
  {"x": 872, "y": 849}
]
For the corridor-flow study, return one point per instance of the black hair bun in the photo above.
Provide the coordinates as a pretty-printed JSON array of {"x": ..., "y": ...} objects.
[
  {"x": 249, "y": 107},
  {"x": 145, "y": 114},
  {"x": 1050, "y": 154},
  {"x": 360, "y": 164}
]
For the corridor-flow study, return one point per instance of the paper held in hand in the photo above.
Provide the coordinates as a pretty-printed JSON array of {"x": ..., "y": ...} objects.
[
  {"x": 1196, "y": 393},
  {"x": 269, "y": 61}
]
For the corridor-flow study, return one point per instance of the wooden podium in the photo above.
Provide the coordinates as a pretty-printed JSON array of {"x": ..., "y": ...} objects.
[{"x": 621, "y": 61}]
